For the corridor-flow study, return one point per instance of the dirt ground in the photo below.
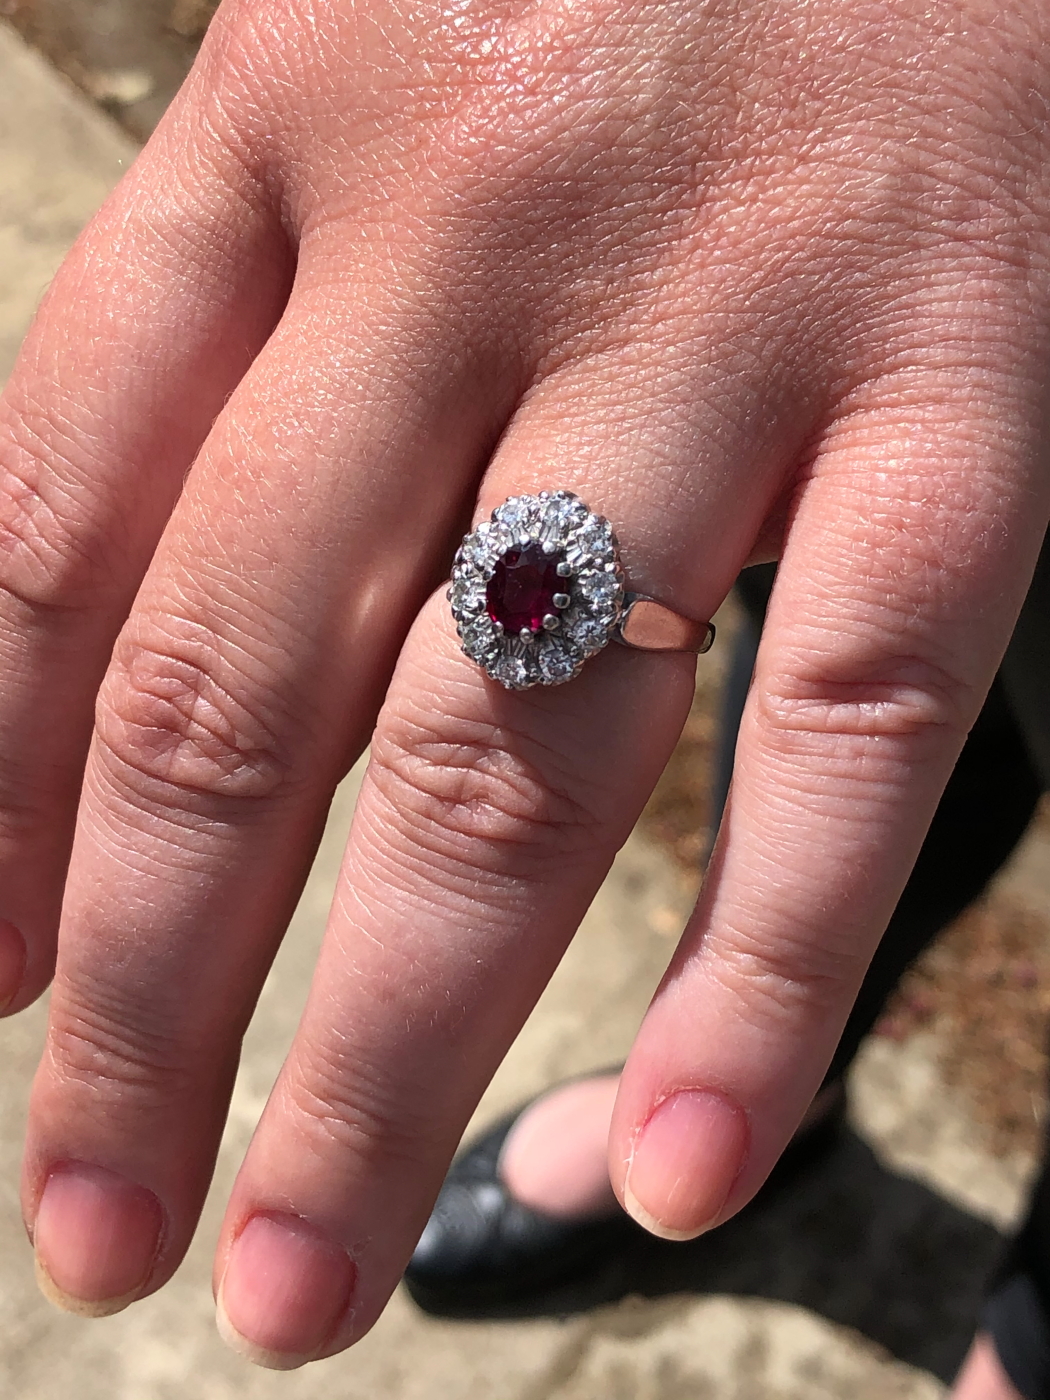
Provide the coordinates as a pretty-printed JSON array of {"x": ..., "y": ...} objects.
[
  {"x": 130, "y": 56},
  {"x": 985, "y": 986}
]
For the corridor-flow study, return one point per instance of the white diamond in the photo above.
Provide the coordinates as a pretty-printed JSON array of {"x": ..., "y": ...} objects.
[
  {"x": 504, "y": 540},
  {"x": 586, "y": 631},
  {"x": 572, "y": 501},
  {"x": 467, "y": 594},
  {"x": 601, "y": 590},
  {"x": 592, "y": 544},
  {"x": 478, "y": 638},
  {"x": 560, "y": 517},
  {"x": 519, "y": 517},
  {"x": 510, "y": 671},
  {"x": 556, "y": 662},
  {"x": 596, "y": 535},
  {"x": 477, "y": 552}
]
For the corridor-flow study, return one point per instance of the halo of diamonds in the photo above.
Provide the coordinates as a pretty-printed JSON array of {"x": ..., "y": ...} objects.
[{"x": 586, "y": 609}]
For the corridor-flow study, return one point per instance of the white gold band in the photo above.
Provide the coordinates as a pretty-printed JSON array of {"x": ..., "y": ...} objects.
[{"x": 648, "y": 625}]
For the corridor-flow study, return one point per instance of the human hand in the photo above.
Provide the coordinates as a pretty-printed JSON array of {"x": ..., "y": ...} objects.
[{"x": 736, "y": 275}]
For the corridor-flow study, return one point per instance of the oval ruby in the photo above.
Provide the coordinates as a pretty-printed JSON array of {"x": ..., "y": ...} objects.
[{"x": 521, "y": 591}]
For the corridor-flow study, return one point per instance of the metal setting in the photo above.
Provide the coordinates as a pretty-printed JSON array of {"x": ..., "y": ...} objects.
[{"x": 592, "y": 609}]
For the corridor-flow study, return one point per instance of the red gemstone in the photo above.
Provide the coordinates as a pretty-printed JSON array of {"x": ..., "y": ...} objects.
[{"x": 521, "y": 591}]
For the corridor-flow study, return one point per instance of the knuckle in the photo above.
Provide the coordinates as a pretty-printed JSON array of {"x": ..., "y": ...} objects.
[
  {"x": 94, "y": 1043},
  {"x": 51, "y": 555},
  {"x": 358, "y": 1112},
  {"x": 784, "y": 978},
  {"x": 176, "y": 714},
  {"x": 476, "y": 792},
  {"x": 906, "y": 697}
]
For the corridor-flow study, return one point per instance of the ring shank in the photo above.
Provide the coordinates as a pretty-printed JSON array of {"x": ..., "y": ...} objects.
[{"x": 648, "y": 625}]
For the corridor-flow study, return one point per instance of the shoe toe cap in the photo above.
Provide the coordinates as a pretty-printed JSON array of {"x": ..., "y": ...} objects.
[{"x": 460, "y": 1229}]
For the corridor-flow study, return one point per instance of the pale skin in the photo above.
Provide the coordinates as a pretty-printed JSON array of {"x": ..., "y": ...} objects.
[{"x": 749, "y": 278}]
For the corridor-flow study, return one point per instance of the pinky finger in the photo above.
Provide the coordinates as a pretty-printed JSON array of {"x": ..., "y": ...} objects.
[{"x": 905, "y": 568}]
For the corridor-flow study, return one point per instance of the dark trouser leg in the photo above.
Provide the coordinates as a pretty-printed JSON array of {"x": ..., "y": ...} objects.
[
  {"x": 1018, "y": 1307},
  {"x": 1017, "y": 1313}
]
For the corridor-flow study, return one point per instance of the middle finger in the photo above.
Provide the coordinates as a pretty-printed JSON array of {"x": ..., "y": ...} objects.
[{"x": 485, "y": 824}]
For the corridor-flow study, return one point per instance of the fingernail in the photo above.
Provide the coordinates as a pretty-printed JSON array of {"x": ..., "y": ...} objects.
[
  {"x": 96, "y": 1237},
  {"x": 12, "y": 963},
  {"x": 684, "y": 1163},
  {"x": 285, "y": 1290}
]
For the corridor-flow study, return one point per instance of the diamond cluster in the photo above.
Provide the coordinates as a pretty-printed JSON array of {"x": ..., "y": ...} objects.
[{"x": 555, "y": 529}]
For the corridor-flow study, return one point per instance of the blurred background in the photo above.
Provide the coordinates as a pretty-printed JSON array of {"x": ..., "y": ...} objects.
[{"x": 863, "y": 1279}]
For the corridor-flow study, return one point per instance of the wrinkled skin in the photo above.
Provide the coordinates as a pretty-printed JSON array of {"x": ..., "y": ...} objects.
[{"x": 751, "y": 278}]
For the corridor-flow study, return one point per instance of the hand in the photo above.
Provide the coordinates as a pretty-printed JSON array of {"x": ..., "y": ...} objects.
[{"x": 738, "y": 275}]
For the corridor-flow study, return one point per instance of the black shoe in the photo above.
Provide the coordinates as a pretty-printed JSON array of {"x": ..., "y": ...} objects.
[{"x": 484, "y": 1254}]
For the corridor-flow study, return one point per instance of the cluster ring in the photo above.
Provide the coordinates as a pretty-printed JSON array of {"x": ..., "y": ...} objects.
[{"x": 539, "y": 588}]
